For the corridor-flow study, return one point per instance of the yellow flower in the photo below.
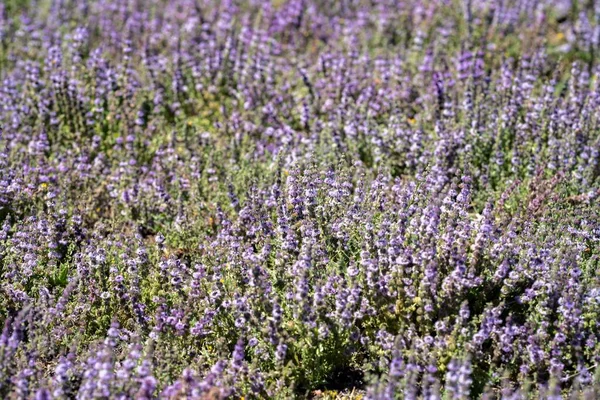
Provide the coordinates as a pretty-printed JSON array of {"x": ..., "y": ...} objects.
[
  {"x": 557, "y": 38},
  {"x": 411, "y": 121},
  {"x": 44, "y": 185}
]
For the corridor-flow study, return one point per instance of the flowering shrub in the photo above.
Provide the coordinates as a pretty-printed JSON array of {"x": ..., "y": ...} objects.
[{"x": 253, "y": 199}]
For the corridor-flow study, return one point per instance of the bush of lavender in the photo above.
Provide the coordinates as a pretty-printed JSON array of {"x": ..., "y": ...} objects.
[{"x": 382, "y": 199}]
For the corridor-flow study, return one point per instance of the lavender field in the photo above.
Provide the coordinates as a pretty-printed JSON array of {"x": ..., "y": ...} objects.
[{"x": 333, "y": 199}]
